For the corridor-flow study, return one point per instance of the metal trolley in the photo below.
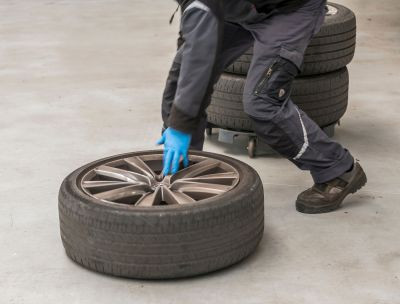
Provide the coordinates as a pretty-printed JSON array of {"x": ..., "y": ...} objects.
[{"x": 228, "y": 136}]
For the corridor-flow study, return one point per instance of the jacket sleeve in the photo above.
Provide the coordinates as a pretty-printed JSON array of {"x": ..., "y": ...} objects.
[{"x": 200, "y": 29}]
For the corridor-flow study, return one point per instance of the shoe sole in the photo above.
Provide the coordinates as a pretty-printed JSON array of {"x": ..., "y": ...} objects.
[{"x": 356, "y": 184}]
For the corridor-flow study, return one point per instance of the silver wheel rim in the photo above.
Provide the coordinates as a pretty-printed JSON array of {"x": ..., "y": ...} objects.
[
  {"x": 137, "y": 181},
  {"x": 331, "y": 10}
]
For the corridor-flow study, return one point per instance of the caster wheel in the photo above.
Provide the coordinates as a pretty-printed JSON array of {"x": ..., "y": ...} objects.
[
  {"x": 209, "y": 131},
  {"x": 252, "y": 147}
]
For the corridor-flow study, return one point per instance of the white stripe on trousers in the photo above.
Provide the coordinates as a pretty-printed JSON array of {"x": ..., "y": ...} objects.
[{"x": 305, "y": 145}]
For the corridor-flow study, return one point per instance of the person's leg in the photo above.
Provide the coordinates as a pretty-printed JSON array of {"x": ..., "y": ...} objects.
[
  {"x": 279, "y": 49},
  {"x": 236, "y": 41}
]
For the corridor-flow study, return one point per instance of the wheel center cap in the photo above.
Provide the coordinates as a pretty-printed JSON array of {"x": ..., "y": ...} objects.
[{"x": 160, "y": 181}]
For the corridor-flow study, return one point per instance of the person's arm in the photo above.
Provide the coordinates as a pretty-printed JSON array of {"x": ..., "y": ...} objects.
[{"x": 201, "y": 30}]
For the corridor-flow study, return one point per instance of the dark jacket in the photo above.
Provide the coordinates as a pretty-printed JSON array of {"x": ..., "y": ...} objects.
[{"x": 202, "y": 30}]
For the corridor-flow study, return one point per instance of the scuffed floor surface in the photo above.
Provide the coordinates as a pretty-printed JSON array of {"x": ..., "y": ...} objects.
[{"x": 80, "y": 80}]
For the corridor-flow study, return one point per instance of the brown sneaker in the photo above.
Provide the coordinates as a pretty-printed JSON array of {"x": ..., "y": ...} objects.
[{"x": 328, "y": 196}]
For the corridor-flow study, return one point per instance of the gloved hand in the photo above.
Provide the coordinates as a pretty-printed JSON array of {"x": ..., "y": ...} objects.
[{"x": 176, "y": 145}]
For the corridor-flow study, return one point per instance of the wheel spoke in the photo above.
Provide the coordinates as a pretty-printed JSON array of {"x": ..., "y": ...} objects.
[
  {"x": 150, "y": 199},
  {"x": 136, "y": 163},
  {"x": 189, "y": 186},
  {"x": 175, "y": 198},
  {"x": 182, "y": 198},
  {"x": 196, "y": 169},
  {"x": 94, "y": 185},
  {"x": 216, "y": 178},
  {"x": 121, "y": 174},
  {"x": 124, "y": 192}
]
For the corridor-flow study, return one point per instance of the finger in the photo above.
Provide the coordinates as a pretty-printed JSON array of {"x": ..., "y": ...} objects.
[
  {"x": 167, "y": 161},
  {"x": 185, "y": 159},
  {"x": 161, "y": 140},
  {"x": 175, "y": 162}
]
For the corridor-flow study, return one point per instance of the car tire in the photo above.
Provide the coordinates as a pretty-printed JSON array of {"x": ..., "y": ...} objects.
[
  {"x": 330, "y": 49},
  {"x": 323, "y": 97},
  {"x": 161, "y": 242}
]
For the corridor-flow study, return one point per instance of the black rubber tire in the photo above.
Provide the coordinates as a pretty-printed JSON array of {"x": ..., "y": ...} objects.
[
  {"x": 323, "y": 97},
  {"x": 162, "y": 242},
  {"x": 330, "y": 49}
]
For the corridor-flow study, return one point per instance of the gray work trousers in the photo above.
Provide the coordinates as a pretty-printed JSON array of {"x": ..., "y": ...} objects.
[{"x": 279, "y": 45}]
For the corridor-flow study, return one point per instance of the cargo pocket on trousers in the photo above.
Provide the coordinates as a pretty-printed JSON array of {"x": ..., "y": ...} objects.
[{"x": 276, "y": 81}]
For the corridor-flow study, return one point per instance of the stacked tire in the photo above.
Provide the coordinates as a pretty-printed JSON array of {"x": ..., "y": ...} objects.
[{"x": 321, "y": 89}]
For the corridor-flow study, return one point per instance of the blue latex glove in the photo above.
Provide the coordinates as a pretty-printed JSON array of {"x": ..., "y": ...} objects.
[{"x": 176, "y": 145}]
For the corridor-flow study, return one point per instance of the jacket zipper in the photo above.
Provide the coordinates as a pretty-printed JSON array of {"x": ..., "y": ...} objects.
[{"x": 266, "y": 77}]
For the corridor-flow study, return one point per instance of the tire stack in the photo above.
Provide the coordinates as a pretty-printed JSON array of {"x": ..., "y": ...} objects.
[{"x": 321, "y": 89}]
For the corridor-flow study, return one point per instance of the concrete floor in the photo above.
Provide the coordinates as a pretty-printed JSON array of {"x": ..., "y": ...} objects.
[{"x": 80, "y": 80}]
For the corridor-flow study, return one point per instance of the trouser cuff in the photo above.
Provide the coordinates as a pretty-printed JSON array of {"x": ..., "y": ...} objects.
[{"x": 340, "y": 167}]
